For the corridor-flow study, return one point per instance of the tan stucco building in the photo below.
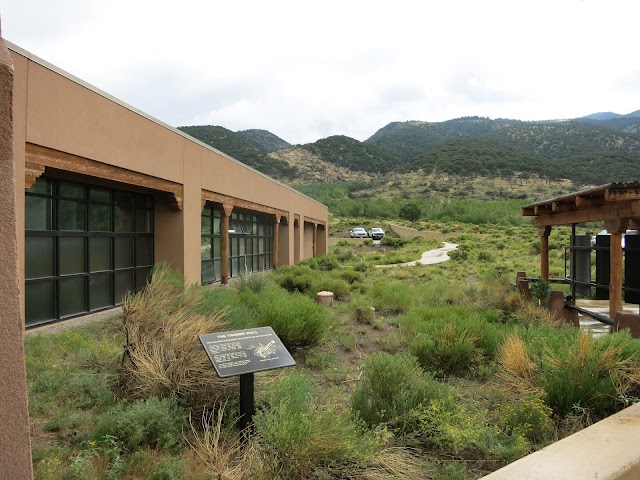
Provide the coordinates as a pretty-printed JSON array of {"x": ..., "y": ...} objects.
[
  {"x": 95, "y": 193},
  {"x": 105, "y": 191}
]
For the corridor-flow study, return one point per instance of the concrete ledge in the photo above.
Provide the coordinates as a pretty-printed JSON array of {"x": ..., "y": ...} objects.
[{"x": 607, "y": 450}]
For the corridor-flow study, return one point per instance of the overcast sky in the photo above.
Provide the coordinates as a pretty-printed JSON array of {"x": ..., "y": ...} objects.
[{"x": 306, "y": 70}]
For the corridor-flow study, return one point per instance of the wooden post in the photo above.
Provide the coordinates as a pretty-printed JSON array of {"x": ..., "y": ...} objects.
[
  {"x": 276, "y": 240},
  {"x": 315, "y": 239},
  {"x": 224, "y": 244},
  {"x": 616, "y": 228},
  {"x": 544, "y": 233}
]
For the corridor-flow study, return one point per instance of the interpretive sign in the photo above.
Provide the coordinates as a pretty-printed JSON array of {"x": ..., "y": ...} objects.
[{"x": 239, "y": 352}]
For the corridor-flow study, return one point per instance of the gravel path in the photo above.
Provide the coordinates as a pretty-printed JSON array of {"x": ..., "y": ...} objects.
[{"x": 430, "y": 257}]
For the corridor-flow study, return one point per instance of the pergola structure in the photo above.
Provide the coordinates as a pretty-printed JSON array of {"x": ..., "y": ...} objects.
[{"x": 616, "y": 204}]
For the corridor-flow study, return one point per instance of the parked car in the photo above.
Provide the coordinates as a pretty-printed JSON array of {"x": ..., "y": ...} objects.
[
  {"x": 358, "y": 233},
  {"x": 376, "y": 233}
]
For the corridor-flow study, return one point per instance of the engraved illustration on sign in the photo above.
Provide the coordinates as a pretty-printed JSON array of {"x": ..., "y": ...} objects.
[{"x": 265, "y": 350}]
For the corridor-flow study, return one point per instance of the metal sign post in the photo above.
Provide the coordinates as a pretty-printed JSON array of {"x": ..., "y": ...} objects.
[{"x": 244, "y": 352}]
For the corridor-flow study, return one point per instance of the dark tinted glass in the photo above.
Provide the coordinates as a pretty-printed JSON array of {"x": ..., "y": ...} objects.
[
  {"x": 99, "y": 253},
  {"x": 144, "y": 221},
  {"x": 142, "y": 276},
  {"x": 39, "y": 257},
  {"x": 207, "y": 272},
  {"x": 123, "y": 252},
  {"x": 42, "y": 185},
  {"x": 73, "y": 296},
  {"x": 205, "y": 248},
  {"x": 123, "y": 284},
  {"x": 72, "y": 190},
  {"x": 38, "y": 213},
  {"x": 71, "y": 215},
  {"x": 144, "y": 251},
  {"x": 123, "y": 214},
  {"x": 100, "y": 195},
  {"x": 72, "y": 255},
  {"x": 100, "y": 218},
  {"x": 40, "y": 302},
  {"x": 101, "y": 290}
]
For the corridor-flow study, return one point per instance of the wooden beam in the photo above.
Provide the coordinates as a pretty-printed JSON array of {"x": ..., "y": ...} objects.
[
  {"x": 37, "y": 157},
  {"x": 558, "y": 207},
  {"x": 542, "y": 210},
  {"x": 606, "y": 212},
  {"x": 622, "y": 194},
  {"x": 544, "y": 233},
  {"x": 615, "y": 277},
  {"x": 528, "y": 212},
  {"x": 239, "y": 203},
  {"x": 589, "y": 202},
  {"x": 276, "y": 241}
]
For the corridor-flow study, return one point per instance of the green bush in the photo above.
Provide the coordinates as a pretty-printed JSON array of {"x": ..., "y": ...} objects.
[
  {"x": 256, "y": 282},
  {"x": 351, "y": 276},
  {"x": 302, "y": 438},
  {"x": 530, "y": 418},
  {"x": 451, "y": 352},
  {"x": 392, "y": 296},
  {"x": 153, "y": 422},
  {"x": 451, "y": 340},
  {"x": 391, "y": 386},
  {"x": 295, "y": 318},
  {"x": 394, "y": 241},
  {"x": 340, "y": 288}
]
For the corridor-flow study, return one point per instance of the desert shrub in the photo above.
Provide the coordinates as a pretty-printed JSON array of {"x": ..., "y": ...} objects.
[
  {"x": 540, "y": 290},
  {"x": 394, "y": 241},
  {"x": 295, "y": 318},
  {"x": 392, "y": 296},
  {"x": 451, "y": 340},
  {"x": 390, "y": 387},
  {"x": 152, "y": 422},
  {"x": 485, "y": 256},
  {"x": 458, "y": 255},
  {"x": 530, "y": 418},
  {"x": 340, "y": 288},
  {"x": 344, "y": 256},
  {"x": 351, "y": 276},
  {"x": 451, "y": 352},
  {"x": 301, "y": 437},
  {"x": 361, "y": 266},
  {"x": 323, "y": 262},
  {"x": 345, "y": 243},
  {"x": 296, "y": 279},
  {"x": 450, "y": 426},
  {"x": 256, "y": 282},
  {"x": 162, "y": 356}
]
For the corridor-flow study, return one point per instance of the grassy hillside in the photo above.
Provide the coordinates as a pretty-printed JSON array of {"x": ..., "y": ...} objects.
[{"x": 265, "y": 139}]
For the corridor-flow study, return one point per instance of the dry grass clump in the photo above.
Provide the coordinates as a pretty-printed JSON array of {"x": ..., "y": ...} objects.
[
  {"x": 516, "y": 362},
  {"x": 222, "y": 451},
  {"x": 526, "y": 311},
  {"x": 163, "y": 356},
  {"x": 393, "y": 462}
]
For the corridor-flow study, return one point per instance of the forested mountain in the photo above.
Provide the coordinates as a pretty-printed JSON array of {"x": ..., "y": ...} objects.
[
  {"x": 265, "y": 139},
  {"x": 241, "y": 147},
  {"x": 354, "y": 155},
  {"x": 598, "y": 148}
]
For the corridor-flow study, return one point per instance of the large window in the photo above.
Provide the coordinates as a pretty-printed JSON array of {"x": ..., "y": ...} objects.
[
  {"x": 250, "y": 243},
  {"x": 85, "y": 247}
]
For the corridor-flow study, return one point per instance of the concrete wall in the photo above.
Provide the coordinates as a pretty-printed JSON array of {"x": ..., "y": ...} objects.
[
  {"x": 15, "y": 446},
  {"x": 607, "y": 450}
]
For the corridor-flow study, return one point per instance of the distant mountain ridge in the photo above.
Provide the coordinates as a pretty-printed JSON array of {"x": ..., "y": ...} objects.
[{"x": 598, "y": 148}]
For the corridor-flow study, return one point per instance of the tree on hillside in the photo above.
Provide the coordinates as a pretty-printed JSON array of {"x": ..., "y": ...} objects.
[{"x": 410, "y": 211}]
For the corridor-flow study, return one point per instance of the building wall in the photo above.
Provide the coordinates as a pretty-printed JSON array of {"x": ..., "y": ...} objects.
[
  {"x": 62, "y": 114},
  {"x": 15, "y": 447}
]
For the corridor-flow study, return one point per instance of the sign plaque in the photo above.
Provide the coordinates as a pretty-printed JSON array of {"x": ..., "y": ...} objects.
[{"x": 239, "y": 352}]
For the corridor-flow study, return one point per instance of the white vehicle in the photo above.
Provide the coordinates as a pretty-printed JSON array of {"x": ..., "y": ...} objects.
[
  {"x": 358, "y": 232},
  {"x": 376, "y": 233}
]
